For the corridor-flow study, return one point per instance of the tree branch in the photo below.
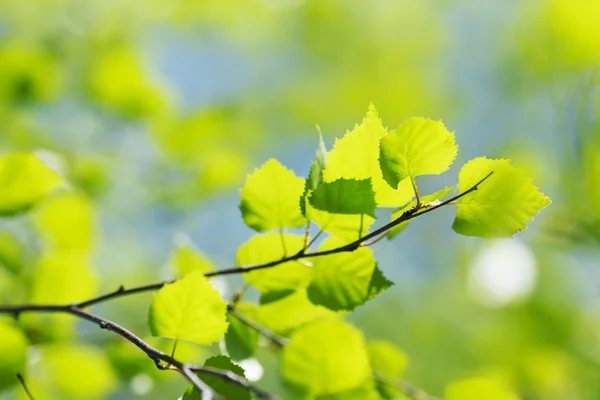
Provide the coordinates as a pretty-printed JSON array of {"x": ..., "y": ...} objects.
[
  {"x": 22, "y": 380},
  {"x": 154, "y": 354}
]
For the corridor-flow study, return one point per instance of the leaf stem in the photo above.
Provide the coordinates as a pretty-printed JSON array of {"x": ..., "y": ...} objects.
[
  {"x": 24, "y": 385},
  {"x": 276, "y": 339}
]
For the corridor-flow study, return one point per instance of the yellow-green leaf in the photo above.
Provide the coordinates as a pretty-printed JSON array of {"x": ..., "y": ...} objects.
[
  {"x": 270, "y": 199},
  {"x": 477, "y": 389},
  {"x": 325, "y": 357},
  {"x": 389, "y": 363},
  {"x": 186, "y": 259},
  {"x": 189, "y": 309},
  {"x": 501, "y": 206},
  {"x": 13, "y": 349},
  {"x": 270, "y": 247},
  {"x": 344, "y": 226},
  {"x": 24, "y": 180},
  {"x": 356, "y": 156},
  {"x": 419, "y": 146},
  {"x": 342, "y": 281}
]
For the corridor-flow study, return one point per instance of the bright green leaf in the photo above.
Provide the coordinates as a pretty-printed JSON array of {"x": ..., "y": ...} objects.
[
  {"x": 13, "y": 348},
  {"x": 344, "y": 226},
  {"x": 67, "y": 221},
  {"x": 419, "y": 146},
  {"x": 241, "y": 340},
  {"x": 356, "y": 156},
  {"x": 478, "y": 388},
  {"x": 378, "y": 284},
  {"x": 186, "y": 259},
  {"x": 427, "y": 201},
  {"x": 222, "y": 387},
  {"x": 325, "y": 357},
  {"x": 270, "y": 199},
  {"x": 366, "y": 391},
  {"x": 269, "y": 247},
  {"x": 345, "y": 196},
  {"x": 315, "y": 175},
  {"x": 389, "y": 363},
  {"x": 501, "y": 206},
  {"x": 11, "y": 251},
  {"x": 189, "y": 309},
  {"x": 342, "y": 281},
  {"x": 277, "y": 317},
  {"x": 24, "y": 180}
]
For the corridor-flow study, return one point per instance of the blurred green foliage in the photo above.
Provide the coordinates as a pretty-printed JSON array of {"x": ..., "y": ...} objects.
[{"x": 149, "y": 110}]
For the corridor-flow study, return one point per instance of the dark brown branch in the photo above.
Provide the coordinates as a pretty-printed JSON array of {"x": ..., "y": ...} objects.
[
  {"x": 162, "y": 360},
  {"x": 122, "y": 291}
]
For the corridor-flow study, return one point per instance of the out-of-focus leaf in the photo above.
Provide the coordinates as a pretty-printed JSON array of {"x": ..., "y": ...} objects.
[
  {"x": 315, "y": 175},
  {"x": 13, "y": 348},
  {"x": 186, "y": 259},
  {"x": 24, "y": 180},
  {"x": 222, "y": 387},
  {"x": 478, "y": 388},
  {"x": 11, "y": 251},
  {"x": 389, "y": 363},
  {"x": 326, "y": 357},
  {"x": 241, "y": 340}
]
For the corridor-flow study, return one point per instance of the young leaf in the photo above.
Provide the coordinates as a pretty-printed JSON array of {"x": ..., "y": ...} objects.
[
  {"x": 277, "y": 317},
  {"x": 478, "y": 388},
  {"x": 425, "y": 201},
  {"x": 13, "y": 347},
  {"x": 345, "y": 196},
  {"x": 348, "y": 227},
  {"x": 270, "y": 199},
  {"x": 418, "y": 147},
  {"x": 222, "y": 387},
  {"x": 325, "y": 357},
  {"x": 268, "y": 247},
  {"x": 388, "y": 362},
  {"x": 315, "y": 175},
  {"x": 189, "y": 309},
  {"x": 342, "y": 281},
  {"x": 501, "y": 206},
  {"x": 240, "y": 339},
  {"x": 24, "y": 180},
  {"x": 186, "y": 259},
  {"x": 356, "y": 156}
]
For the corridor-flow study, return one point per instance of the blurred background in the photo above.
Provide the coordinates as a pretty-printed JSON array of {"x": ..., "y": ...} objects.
[{"x": 156, "y": 111}]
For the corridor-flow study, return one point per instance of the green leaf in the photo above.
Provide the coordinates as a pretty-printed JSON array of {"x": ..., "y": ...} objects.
[
  {"x": 12, "y": 251},
  {"x": 426, "y": 201},
  {"x": 419, "y": 146},
  {"x": 269, "y": 247},
  {"x": 13, "y": 348},
  {"x": 501, "y": 206},
  {"x": 222, "y": 387},
  {"x": 67, "y": 221},
  {"x": 189, "y": 309},
  {"x": 390, "y": 363},
  {"x": 277, "y": 317},
  {"x": 325, "y": 357},
  {"x": 315, "y": 175},
  {"x": 343, "y": 281},
  {"x": 345, "y": 196},
  {"x": 270, "y": 199},
  {"x": 478, "y": 388},
  {"x": 378, "y": 284},
  {"x": 344, "y": 226},
  {"x": 24, "y": 180},
  {"x": 366, "y": 391},
  {"x": 356, "y": 156},
  {"x": 186, "y": 259},
  {"x": 77, "y": 371},
  {"x": 240, "y": 339}
]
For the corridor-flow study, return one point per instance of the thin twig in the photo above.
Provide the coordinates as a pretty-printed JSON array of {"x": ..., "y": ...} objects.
[
  {"x": 162, "y": 360},
  {"x": 302, "y": 254},
  {"x": 277, "y": 340},
  {"x": 22, "y": 380},
  {"x": 413, "y": 393}
]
